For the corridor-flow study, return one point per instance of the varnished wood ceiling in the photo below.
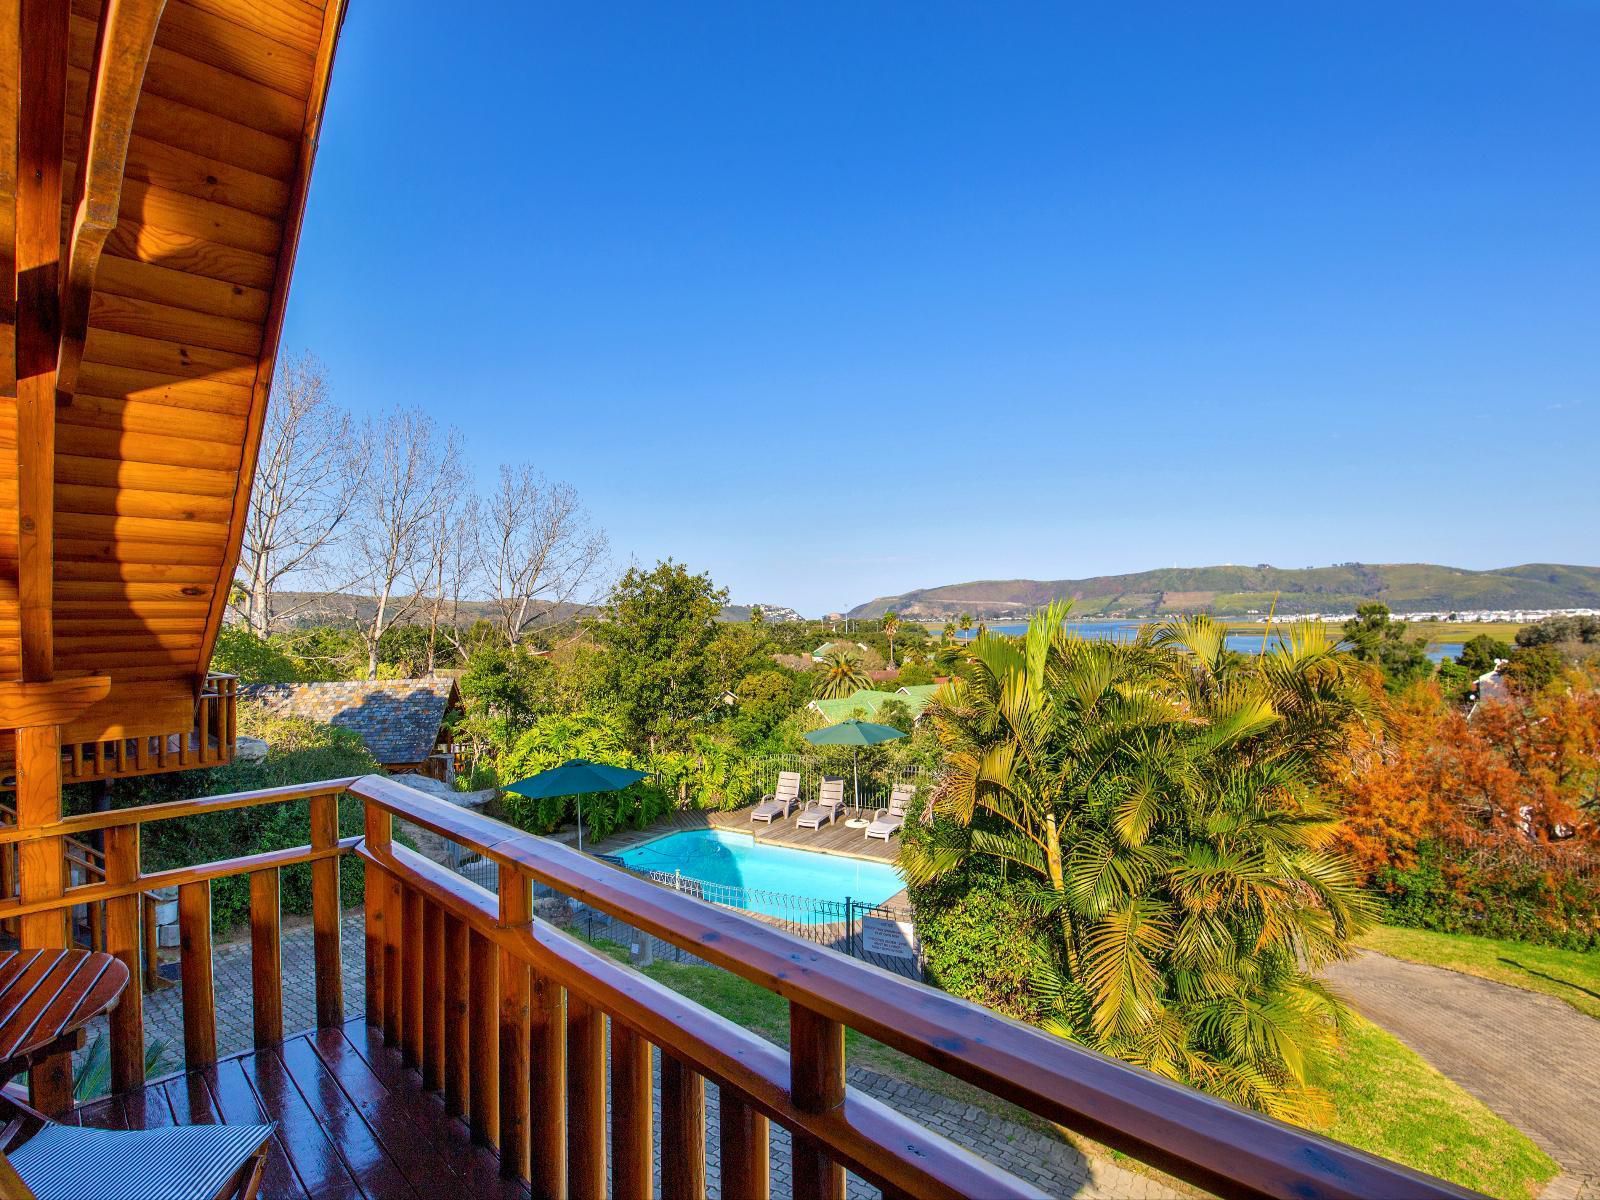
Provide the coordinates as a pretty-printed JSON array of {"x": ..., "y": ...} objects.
[{"x": 156, "y": 430}]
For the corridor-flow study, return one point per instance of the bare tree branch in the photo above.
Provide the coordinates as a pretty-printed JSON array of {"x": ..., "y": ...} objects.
[
  {"x": 409, "y": 478},
  {"x": 305, "y": 483},
  {"x": 536, "y": 549}
]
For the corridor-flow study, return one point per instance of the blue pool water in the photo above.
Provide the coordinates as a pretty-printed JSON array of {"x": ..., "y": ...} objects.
[{"x": 743, "y": 869}]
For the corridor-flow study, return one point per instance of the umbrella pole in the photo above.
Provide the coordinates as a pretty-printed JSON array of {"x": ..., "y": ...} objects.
[
  {"x": 855, "y": 773},
  {"x": 580, "y": 822}
]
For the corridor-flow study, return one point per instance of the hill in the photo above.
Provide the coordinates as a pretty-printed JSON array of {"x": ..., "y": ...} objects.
[{"x": 1231, "y": 591}]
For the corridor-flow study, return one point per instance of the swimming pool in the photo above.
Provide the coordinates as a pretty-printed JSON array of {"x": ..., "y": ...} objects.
[{"x": 745, "y": 873}]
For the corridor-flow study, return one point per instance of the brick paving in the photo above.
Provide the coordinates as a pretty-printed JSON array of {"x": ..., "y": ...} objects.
[
  {"x": 1529, "y": 1057},
  {"x": 1030, "y": 1152}
]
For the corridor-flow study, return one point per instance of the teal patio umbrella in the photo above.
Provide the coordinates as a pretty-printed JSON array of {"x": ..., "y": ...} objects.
[
  {"x": 855, "y": 734},
  {"x": 576, "y": 777}
]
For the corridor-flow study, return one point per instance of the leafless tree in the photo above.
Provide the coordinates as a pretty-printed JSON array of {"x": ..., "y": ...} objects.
[
  {"x": 451, "y": 555},
  {"x": 305, "y": 483},
  {"x": 536, "y": 549},
  {"x": 409, "y": 476}
]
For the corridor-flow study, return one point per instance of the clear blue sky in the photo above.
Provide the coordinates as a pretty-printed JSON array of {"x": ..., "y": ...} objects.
[{"x": 835, "y": 300}]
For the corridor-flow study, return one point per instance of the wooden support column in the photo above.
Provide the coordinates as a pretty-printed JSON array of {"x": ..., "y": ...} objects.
[
  {"x": 123, "y": 939},
  {"x": 41, "y": 128}
]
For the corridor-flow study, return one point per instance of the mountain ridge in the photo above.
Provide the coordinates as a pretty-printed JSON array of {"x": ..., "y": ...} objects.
[{"x": 1237, "y": 591}]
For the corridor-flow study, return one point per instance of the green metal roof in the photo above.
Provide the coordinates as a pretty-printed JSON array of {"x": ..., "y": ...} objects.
[{"x": 868, "y": 701}]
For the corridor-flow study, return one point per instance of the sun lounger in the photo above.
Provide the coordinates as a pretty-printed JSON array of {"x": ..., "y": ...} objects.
[
  {"x": 778, "y": 803},
  {"x": 188, "y": 1162},
  {"x": 888, "y": 821},
  {"x": 826, "y": 809}
]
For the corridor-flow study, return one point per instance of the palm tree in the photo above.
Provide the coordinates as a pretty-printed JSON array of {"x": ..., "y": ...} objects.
[
  {"x": 842, "y": 674},
  {"x": 949, "y": 631},
  {"x": 965, "y": 622},
  {"x": 1156, "y": 800},
  {"x": 891, "y": 622}
]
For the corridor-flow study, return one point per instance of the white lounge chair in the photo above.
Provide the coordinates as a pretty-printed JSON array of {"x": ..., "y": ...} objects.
[
  {"x": 887, "y": 821},
  {"x": 779, "y": 803},
  {"x": 826, "y": 809}
]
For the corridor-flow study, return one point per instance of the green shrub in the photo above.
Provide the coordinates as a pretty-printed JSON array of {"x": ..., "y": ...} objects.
[
  {"x": 976, "y": 935},
  {"x": 1451, "y": 890}
]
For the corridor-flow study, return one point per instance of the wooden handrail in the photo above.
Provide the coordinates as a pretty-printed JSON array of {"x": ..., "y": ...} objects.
[
  {"x": 1206, "y": 1141},
  {"x": 94, "y": 893},
  {"x": 174, "y": 810}
]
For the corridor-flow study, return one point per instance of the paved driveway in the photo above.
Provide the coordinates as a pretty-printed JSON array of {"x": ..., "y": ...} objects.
[{"x": 1529, "y": 1057}]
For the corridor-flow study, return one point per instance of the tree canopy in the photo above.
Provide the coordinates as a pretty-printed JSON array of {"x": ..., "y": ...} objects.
[{"x": 656, "y": 632}]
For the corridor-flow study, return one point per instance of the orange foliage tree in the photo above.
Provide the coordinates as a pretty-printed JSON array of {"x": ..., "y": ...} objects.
[{"x": 1525, "y": 768}]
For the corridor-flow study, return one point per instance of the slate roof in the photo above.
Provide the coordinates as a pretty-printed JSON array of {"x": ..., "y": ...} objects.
[{"x": 398, "y": 719}]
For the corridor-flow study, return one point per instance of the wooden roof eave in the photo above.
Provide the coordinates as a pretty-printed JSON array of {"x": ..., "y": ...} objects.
[{"x": 261, "y": 391}]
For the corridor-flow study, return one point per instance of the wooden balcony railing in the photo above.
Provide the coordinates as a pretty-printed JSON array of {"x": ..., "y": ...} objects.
[
  {"x": 210, "y": 741},
  {"x": 511, "y": 1020}
]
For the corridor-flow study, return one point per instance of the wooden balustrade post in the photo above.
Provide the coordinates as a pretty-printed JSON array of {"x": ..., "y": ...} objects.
[
  {"x": 816, "y": 1085},
  {"x": 432, "y": 997},
  {"x": 546, "y": 1081},
  {"x": 483, "y": 1099},
  {"x": 152, "y": 946},
  {"x": 632, "y": 1121},
  {"x": 411, "y": 972},
  {"x": 123, "y": 939},
  {"x": 325, "y": 913},
  {"x": 394, "y": 984},
  {"x": 515, "y": 911},
  {"x": 683, "y": 1132},
  {"x": 586, "y": 1100},
  {"x": 199, "y": 996},
  {"x": 457, "y": 1007},
  {"x": 379, "y": 831},
  {"x": 266, "y": 960},
  {"x": 744, "y": 1142}
]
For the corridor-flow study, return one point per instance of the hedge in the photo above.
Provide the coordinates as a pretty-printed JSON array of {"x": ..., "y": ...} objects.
[{"x": 1453, "y": 889}]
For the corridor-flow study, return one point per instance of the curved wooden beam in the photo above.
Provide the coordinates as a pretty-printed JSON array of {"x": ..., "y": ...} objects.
[{"x": 126, "y": 36}]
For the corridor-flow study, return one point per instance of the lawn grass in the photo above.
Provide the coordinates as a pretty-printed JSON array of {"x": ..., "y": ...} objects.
[
  {"x": 1388, "y": 1100},
  {"x": 1570, "y": 975}
]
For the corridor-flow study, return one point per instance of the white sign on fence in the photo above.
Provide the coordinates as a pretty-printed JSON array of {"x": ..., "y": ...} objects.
[{"x": 891, "y": 939}]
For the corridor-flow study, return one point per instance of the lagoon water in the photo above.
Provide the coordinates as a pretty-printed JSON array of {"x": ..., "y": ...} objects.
[{"x": 1244, "y": 643}]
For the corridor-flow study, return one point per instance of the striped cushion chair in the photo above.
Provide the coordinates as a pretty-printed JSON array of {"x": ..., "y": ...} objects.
[{"x": 189, "y": 1162}]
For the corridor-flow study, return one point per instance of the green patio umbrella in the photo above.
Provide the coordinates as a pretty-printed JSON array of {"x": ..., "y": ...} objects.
[
  {"x": 576, "y": 777},
  {"x": 857, "y": 734}
]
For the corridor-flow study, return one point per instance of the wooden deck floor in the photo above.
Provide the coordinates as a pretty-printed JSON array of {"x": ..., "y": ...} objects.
[
  {"x": 834, "y": 838},
  {"x": 352, "y": 1120}
]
